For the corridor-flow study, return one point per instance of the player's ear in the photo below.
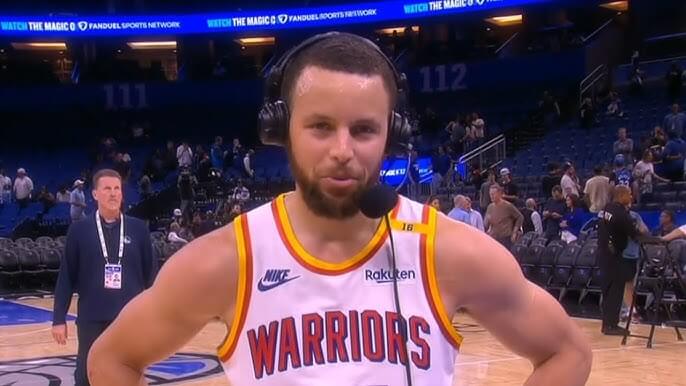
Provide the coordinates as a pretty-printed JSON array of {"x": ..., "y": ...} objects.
[{"x": 94, "y": 195}]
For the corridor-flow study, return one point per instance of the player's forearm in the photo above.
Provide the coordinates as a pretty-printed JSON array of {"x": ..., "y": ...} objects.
[
  {"x": 569, "y": 367},
  {"x": 105, "y": 370}
]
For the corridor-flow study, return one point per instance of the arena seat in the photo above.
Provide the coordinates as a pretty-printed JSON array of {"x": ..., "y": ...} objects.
[
  {"x": 563, "y": 268},
  {"x": 583, "y": 269},
  {"x": 44, "y": 241},
  {"x": 50, "y": 259},
  {"x": 5, "y": 242},
  {"x": 10, "y": 270},
  {"x": 31, "y": 267},
  {"x": 25, "y": 242},
  {"x": 519, "y": 251}
]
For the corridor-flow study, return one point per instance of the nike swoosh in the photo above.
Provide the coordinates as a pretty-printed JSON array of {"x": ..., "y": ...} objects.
[{"x": 266, "y": 287}]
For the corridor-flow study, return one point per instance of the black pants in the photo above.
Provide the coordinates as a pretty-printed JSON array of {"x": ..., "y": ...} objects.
[
  {"x": 505, "y": 242},
  {"x": 616, "y": 272},
  {"x": 87, "y": 333}
]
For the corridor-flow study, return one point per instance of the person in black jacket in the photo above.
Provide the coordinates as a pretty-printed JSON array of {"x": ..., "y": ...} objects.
[
  {"x": 614, "y": 230},
  {"x": 107, "y": 263}
]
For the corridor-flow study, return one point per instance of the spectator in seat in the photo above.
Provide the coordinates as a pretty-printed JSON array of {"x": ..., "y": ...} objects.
[
  {"x": 247, "y": 164},
  {"x": 46, "y": 198},
  {"x": 552, "y": 179},
  {"x": 621, "y": 175},
  {"x": 62, "y": 195},
  {"x": 217, "y": 153},
  {"x": 644, "y": 173},
  {"x": 173, "y": 235},
  {"x": 475, "y": 218},
  {"x": 240, "y": 194},
  {"x": 434, "y": 202},
  {"x": 532, "y": 219},
  {"x": 673, "y": 157},
  {"x": 5, "y": 188},
  {"x": 572, "y": 220},
  {"x": 145, "y": 187},
  {"x": 614, "y": 107},
  {"x": 459, "y": 211},
  {"x": 667, "y": 225},
  {"x": 23, "y": 188},
  {"x": 184, "y": 155},
  {"x": 441, "y": 164},
  {"x": 478, "y": 129},
  {"x": 484, "y": 196},
  {"x": 673, "y": 123},
  {"x": 570, "y": 181},
  {"x": 77, "y": 199},
  {"x": 674, "y": 81},
  {"x": 509, "y": 187},
  {"x": 186, "y": 185},
  {"x": 587, "y": 113},
  {"x": 624, "y": 145},
  {"x": 555, "y": 208},
  {"x": 503, "y": 221},
  {"x": 597, "y": 190}
]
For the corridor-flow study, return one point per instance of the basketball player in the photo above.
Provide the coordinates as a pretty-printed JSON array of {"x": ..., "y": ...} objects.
[{"x": 303, "y": 283}]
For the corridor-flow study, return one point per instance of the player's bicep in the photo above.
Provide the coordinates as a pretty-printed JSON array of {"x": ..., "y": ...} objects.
[{"x": 529, "y": 321}]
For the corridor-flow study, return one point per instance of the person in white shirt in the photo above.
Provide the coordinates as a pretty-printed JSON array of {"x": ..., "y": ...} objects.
[
  {"x": 184, "y": 155},
  {"x": 78, "y": 202},
  {"x": 570, "y": 182},
  {"x": 23, "y": 187},
  {"x": 535, "y": 216},
  {"x": 644, "y": 173},
  {"x": 475, "y": 218},
  {"x": 62, "y": 195}
]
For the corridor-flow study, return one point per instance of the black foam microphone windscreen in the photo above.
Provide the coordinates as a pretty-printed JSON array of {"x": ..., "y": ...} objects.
[{"x": 378, "y": 200}]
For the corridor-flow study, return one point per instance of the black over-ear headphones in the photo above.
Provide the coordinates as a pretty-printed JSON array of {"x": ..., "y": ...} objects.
[{"x": 274, "y": 115}]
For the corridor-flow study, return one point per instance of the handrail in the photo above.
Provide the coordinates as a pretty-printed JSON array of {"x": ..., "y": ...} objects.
[
  {"x": 400, "y": 55},
  {"x": 267, "y": 65},
  {"x": 656, "y": 61},
  {"x": 602, "y": 27},
  {"x": 506, "y": 42},
  {"x": 591, "y": 79},
  {"x": 488, "y": 145}
]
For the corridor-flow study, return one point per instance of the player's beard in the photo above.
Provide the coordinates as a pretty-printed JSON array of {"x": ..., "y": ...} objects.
[{"x": 321, "y": 204}]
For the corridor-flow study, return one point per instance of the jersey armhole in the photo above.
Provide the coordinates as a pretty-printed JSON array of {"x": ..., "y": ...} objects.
[
  {"x": 433, "y": 297},
  {"x": 245, "y": 276}
]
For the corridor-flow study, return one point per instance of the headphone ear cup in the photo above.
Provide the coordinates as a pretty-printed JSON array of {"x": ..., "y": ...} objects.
[
  {"x": 399, "y": 129},
  {"x": 273, "y": 119}
]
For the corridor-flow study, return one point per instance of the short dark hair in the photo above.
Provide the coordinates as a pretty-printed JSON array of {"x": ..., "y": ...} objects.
[
  {"x": 557, "y": 188},
  {"x": 344, "y": 53},
  {"x": 669, "y": 214},
  {"x": 598, "y": 170},
  {"x": 104, "y": 173}
]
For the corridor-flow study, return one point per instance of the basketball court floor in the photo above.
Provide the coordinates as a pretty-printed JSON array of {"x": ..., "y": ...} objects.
[{"x": 29, "y": 357}]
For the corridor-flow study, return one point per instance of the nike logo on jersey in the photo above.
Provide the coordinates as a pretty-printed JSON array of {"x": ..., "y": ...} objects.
[{"x": 274, "y": 278}]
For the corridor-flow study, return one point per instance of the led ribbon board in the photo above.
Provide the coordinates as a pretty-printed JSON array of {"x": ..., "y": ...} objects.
[{"x": 40, "y": 26}]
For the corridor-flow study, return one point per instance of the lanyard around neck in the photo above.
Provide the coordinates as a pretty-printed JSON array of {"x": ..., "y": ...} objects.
[{"x": 101, "y": 236}]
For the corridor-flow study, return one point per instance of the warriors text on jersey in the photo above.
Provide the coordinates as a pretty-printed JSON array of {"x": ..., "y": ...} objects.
[{"x": 303, "y": 321}]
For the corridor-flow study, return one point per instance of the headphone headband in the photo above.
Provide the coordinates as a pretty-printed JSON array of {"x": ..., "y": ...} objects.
[{"x": 274, "y": 115}]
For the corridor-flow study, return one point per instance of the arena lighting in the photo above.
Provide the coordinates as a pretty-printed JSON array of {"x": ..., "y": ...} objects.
[
  {"x": 164, "y": 45},
  {"x": 504, "y": 21},
  {"x": 41, "y": 46},
  {"x": 398, "y": 30},
  {"x": 257, "y": 41},
  {"x": 620, "y": 6},
  {"x": 393, "y": 12}
]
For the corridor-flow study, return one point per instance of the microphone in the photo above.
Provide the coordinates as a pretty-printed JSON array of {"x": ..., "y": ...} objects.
[{"x": 376, "y": 202}]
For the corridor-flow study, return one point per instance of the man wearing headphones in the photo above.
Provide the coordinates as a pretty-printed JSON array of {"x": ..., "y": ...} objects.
[{"x": 303, "y": 283}]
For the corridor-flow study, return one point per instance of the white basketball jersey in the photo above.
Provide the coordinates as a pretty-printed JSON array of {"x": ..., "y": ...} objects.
[{"x": 303, "y": 321}]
